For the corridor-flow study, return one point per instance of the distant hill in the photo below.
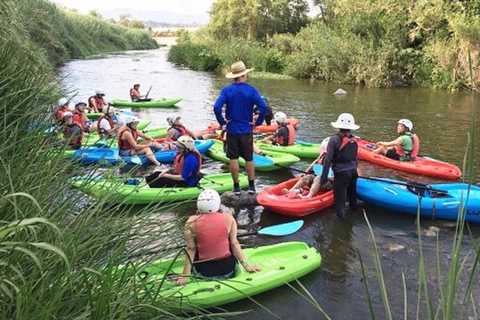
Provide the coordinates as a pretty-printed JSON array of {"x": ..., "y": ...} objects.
[{"x": 157, "y": 19}]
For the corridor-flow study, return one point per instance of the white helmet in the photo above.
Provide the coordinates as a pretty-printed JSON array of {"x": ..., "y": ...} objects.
[
  {"x": 208, "y": 201},
  {"x": 186, "y": 142},
  {"x": 323, "y": 145},
  {"x": 280, "y": 117},
  {"x": 345, "y": 121},
  {"x": 62, "y": 102},
  {"x": 131, "y": 120},
  {"x": 407, "y": 123}
]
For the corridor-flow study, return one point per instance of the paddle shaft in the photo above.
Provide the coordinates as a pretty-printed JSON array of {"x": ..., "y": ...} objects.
[{"x": 148, "y": 92}]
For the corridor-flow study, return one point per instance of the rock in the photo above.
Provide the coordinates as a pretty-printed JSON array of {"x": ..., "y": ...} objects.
[
  {"x": 394, "y": 247},
  {"x": 340, "y": 92},
  {"x": 431, "y": 231},
  {"x": 245, "y": 199}
]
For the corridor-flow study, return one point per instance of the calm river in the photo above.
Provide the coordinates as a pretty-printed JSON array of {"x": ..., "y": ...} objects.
[{"x": 441, "y": 119}]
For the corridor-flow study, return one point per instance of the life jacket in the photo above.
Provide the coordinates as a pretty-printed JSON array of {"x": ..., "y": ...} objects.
[
  {"x": 73, "y": 141},
  {"x": 98, "y": 101},
  {"x": 211, "y": 237},
  {"x": 180, "y": 160},
  {"x": 134, "y": 94},
  {"x": 123, "y": 144},
  {"x": 292, "y": 135},
  {"x": 407, "y": 154},
  {"x": 80, "y": 119},
  {"x": 101, "y": 131},
  {"x": 180, "y": 130},
  {"x": 348, "y": 150}
]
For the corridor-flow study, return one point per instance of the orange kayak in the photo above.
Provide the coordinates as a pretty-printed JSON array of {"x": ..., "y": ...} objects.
[
  {"x": 258, "y": 129},
  {"x": 421, "y": 165},
  {"x": 291, "y": 205}
]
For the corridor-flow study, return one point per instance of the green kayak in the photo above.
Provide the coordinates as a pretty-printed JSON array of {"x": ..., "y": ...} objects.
[
  {"x": 156, "y": 132},
  {"x": 299, "y": 149},
  {"x": 162, "y": 103},
  {"x": 280, "y": 263},
  {"x": 117, "y": 190},
  {"x": 266, "y": 162},
  {"x": 94, "y": 115}
]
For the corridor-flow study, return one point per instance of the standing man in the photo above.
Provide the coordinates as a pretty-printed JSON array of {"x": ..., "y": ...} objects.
[
  {"x": 239, "y": 99},
  {"x": 341, "y": 155}
]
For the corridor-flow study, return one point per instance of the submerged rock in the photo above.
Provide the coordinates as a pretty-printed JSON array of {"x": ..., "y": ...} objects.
[
  {"x": 340, "y": 92},
  {"x": 432, "y": 231},
  {"x": 394, "y": 247},
  {"x": 245, "y": 199}
]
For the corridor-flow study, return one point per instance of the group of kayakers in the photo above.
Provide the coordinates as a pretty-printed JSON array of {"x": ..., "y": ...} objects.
[{"x": 211, "y": 236}]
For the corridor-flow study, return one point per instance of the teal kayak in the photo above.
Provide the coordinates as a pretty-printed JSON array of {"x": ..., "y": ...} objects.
[
  {"x": 300, "y": 149},
  {"x": 280, "y": 264},
  {"x": 270, "y": 161},
  {"x": 137, "y": 191},
  {"x": 161, "y": 103}
]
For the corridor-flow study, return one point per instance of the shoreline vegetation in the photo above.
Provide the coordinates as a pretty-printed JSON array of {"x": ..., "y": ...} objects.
[{"x": 381, "y": 43}]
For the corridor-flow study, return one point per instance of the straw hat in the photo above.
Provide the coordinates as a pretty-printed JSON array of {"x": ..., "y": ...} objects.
[{"x": 237, "y": 70}]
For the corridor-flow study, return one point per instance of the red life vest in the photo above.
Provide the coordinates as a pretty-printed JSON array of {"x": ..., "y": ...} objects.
[
  {"x": 211, "y": 237},
  {"x": 180, "y": 130},
  {"x": 124, "y": 144},
  {"x": 134, "y": 94},
  {"x": 292, "y": 136},
  {"x": 59, "y": 111},
  {"x": 101, "y": 131},
  {"x": 409, "y": 154},
  {"x": 73, "y": 141},
  {"x": 98, "y": 103},
  {"x": 416, "y": 146},
  {"x": 80, "y": 119},
  {"x": 348, "y": 150},
  {"x": 180, "y": 160}
]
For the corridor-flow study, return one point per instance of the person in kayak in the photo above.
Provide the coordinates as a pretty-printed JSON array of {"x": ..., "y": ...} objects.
[
  {"x": 60, "y": 110},
  {"x": 177, "y": 129},
  {"x": 285, "y": 135},
  {"x": 135, "y": 93},
  {"x": 97, "y": 102},
  {"x": 127, "y": 141},
  {"x": 342, "y": 156},
  {"x": 72, "y": 132},
  {"x": 268, "y": 112},
  {"x": 405, "y": 147},
  {"x": 240, "y": 98},
  {"x": 106, "y": 125},
  {"x": 212, "y": 248},
  {"x": 186, "y": 167},
  {"x": 80, "y": 117}
]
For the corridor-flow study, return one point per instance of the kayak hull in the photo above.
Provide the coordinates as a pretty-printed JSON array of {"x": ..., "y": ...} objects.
[
  {"x": 399, "y": 198},
  {"x": 110, "y": 156},
  {"x": 275, "y": 200},
  {"x": 269, "y": 162},
  {"x": 300, "y": 149},
  {"x": 118, "y": 191},
  {"x": 421, "y": 165},
  {"x": 258, "y": 129},
  {"x": 161, "y": 103},
  {"x": 280, "y": 263}
]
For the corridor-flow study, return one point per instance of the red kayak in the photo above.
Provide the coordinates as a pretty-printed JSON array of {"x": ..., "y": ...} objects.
[
  {"x": 292, "y": 205},
  {"x": 421, "y": 165},
  {"x": 258, "y": 129}
]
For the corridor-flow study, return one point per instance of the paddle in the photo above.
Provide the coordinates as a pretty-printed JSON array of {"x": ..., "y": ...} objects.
[
  {"x": 148, "y": 92},
  {"x": 279, "y": 230}
]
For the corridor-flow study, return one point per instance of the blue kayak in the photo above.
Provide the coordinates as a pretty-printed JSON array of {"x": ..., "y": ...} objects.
[
  {"x": 95, "y": 155},
  {"x": 437, "y": 205}
]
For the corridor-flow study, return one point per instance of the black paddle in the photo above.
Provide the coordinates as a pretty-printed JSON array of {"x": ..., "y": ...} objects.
[{"x": 148, "y": 92}]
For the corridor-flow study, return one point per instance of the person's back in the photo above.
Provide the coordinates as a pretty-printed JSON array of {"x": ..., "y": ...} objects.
[{"x": 188, "y": 165}]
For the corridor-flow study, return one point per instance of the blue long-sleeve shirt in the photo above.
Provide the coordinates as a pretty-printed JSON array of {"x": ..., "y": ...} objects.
[{"x": 240, "y": 100}]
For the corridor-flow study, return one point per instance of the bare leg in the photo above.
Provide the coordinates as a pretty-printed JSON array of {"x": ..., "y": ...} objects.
[
  {"x": 234, "y": 170},
  {"x": 149, "y": 154},
  {"x": 380, "y": 150},
  {"x": 250, "y": 170},
  {"x": 315, "y": 188}
]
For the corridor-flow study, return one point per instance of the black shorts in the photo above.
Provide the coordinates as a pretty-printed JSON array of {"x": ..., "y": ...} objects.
[
  {"x": 155, "y": 182},
  {"x": 392, "y": 154},
  {"x": 221, "y": 268},
  {"x": 240, "y": 145}
]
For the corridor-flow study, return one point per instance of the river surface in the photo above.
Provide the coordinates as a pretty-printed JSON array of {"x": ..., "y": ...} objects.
[{"x": 441, "y": 119}]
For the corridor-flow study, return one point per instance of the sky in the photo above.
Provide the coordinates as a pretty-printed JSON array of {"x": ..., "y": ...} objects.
[{"x": 178, "y": 6}]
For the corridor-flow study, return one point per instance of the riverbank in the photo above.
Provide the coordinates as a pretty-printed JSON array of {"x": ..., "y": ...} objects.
[
  {"x": 61, "y": 254},
  {"x": 377, "y": 45}
]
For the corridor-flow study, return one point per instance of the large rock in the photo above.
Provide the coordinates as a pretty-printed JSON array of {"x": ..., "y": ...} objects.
[
  {"x": 340, "y": 92},
  {"x": 245, "y": 199}
]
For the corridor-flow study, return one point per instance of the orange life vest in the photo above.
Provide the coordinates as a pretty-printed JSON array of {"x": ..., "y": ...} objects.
[
  {"x": 292, "y": 136},
  {"x": 98, "y": 103},
  {"x": 124, "y": 144},
  {"x": 80, "y": 119},
  {"x": 134, "y": 94},
  {"x": 211, "y": 237},
  {"x": 180, "y": 160},
  {"x": 101, "y": 131}
]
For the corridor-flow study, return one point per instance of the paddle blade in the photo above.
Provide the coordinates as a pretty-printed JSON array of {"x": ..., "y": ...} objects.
[{"x": 283, "y": 229}]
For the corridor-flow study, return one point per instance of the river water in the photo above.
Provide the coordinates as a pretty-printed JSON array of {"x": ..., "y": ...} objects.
[{"x": 441, "y": 119}]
